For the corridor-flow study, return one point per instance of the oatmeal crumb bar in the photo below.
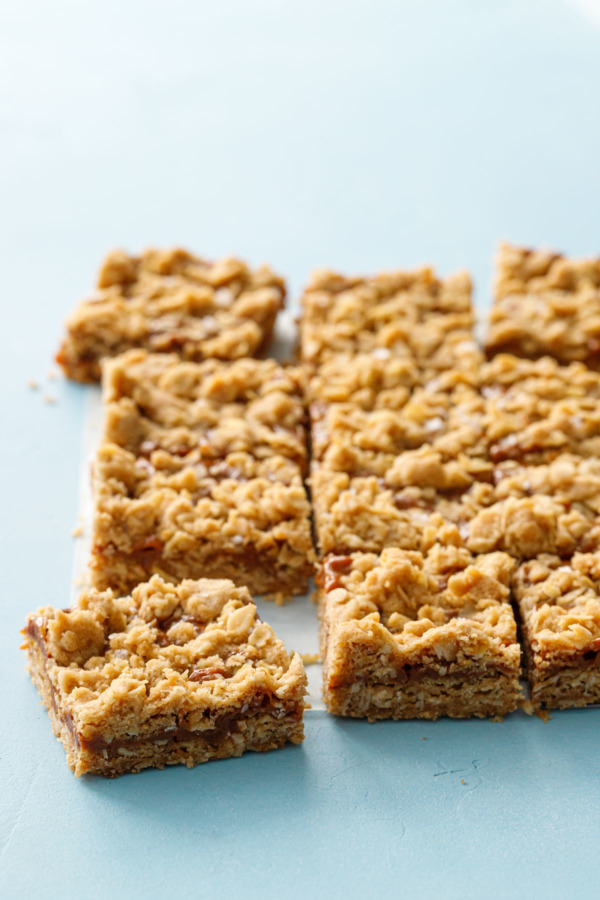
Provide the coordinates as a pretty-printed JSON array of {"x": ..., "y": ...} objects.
[
  {"x": 350, "y": 439},
  {"x": 522, "y": 510},
  {"x": 559, "y": 602},
  {"x": 406, "y": 635},
  {"x": 408, "y": 315},
  {"x": 536, "y": 410},
  {"x": 168, "y": 675},
  {"x": 170, "y": 300},
  {"x": 546, "y": 304},
  {"x": 200, "y": 474}
]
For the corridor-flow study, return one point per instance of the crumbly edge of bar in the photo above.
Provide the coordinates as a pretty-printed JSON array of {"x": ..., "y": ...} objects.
[
  {"x": 236, "y": 381},
  {"x": 417, "y": 684},
  {"x": 488, "y": 695},
  {"x": 369, "y": 672},
  {"x": 521, "y": 269},
  {"x": 166, "y": 529},
  {"x": 366, "y": 649},
  {"x": 242, "y": 334},
  {"x": 81, "y": 356},
  {"x": 559, "y": 603},
  {"x": 392, "y": 282},
  {"x": 262, "y": 731},
  {"x": 265, "y": 574},
  {"x": 565, "y": 688}
]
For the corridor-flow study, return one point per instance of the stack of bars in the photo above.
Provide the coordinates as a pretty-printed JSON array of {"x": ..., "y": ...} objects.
[{"x": 440, "y": 481}]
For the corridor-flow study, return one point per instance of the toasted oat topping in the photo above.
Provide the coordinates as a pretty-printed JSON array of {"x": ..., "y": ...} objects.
[
  {"x": 411, "y": 594},
  {"x": 157, "y": 402},
  {"x": 559, "y": 602},
  {"x": 412, "y": 316},
  {"x": 201, "y": 473},
  {"x": 165, "y": 649},
  {"x": 170, "y": 300},
  {"x": 546, "y": 304}
]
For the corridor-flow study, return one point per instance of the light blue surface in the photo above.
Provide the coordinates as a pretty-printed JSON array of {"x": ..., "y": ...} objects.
[{"x": 356, "y": 135}]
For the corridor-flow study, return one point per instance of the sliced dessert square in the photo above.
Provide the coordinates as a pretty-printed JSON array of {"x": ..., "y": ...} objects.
[
  {"x": 559, "y": 602},
  {"x": 408, "y": 315},
  {"x": 168, "y": 675},
  {"x": 545, "y": 304},
  {"x": 407, "y": 635},
  {"x": 170, "y": 300},
  {"x": 200, "y": 474}
]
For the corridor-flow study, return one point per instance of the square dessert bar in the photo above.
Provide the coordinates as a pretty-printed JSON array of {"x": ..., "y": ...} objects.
[
  {"x": 422, "y": 499},
  {"x": 559, "y": 602},
  {"x": 159, "y": 402},
  {"x": 546, "y": 304},
  {"x": 170, "y": 300},
  {"x": 168, "y": 675},
  {"x": 406, "y": 635},
  {"x": 200, "y": 474},
  {"x": 357, "y": 441},
  {"x": 410, "y": 315},
  {"x": 536, "y": 410}
]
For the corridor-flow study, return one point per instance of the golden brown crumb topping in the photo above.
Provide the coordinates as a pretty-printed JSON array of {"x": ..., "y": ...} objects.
[
  {"x": 156, "y": 401},
  {"x": 409, "y": 315},
  {"x": 560, "y": 604},
  {"x": 170, "y": 300},
  {"x": 546, "y": 304},
  {"x": 164, "y": 649}
]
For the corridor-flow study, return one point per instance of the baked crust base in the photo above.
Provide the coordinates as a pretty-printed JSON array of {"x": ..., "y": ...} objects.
[
  {"x": 481, "y": 694},
  {"x": 260, "y": 573}
]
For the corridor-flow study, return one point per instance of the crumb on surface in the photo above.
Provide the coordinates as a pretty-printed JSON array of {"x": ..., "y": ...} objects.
[
  {"x": 309, "y": 659},
  {"x": 32, "y": 384},
  {"x": 543, "y": 714},
  {"x": 52, "y": 374},
  {"x": 77, "y": 531},
  {"x": 279, "y": 598},
  {"x": 49, "y": 399},
  {"x": 462, "y": 780}
]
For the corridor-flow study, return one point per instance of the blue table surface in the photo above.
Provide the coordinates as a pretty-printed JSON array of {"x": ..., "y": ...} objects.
[{"x": 353, "y": 135}]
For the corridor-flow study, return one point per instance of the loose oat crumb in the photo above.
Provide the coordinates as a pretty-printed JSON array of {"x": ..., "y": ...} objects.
[
  {"x": 52, "y": 374},
  {"x": 309, "y": 659},
  {"x": 424, "y": 739},
  {"x": 279, "y": 598},
  {"x": 527, "y": 707},
  {"x": 462, "y": 780},
  {"x": 49, "y": 399},
  {"x": 77, "y": 531},
  {"x": 32, "y": 384},
  {"x": 543, "y": 714}
]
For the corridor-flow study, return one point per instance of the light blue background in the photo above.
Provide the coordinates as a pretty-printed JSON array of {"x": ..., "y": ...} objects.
[{"x": 355, "y": 135}]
